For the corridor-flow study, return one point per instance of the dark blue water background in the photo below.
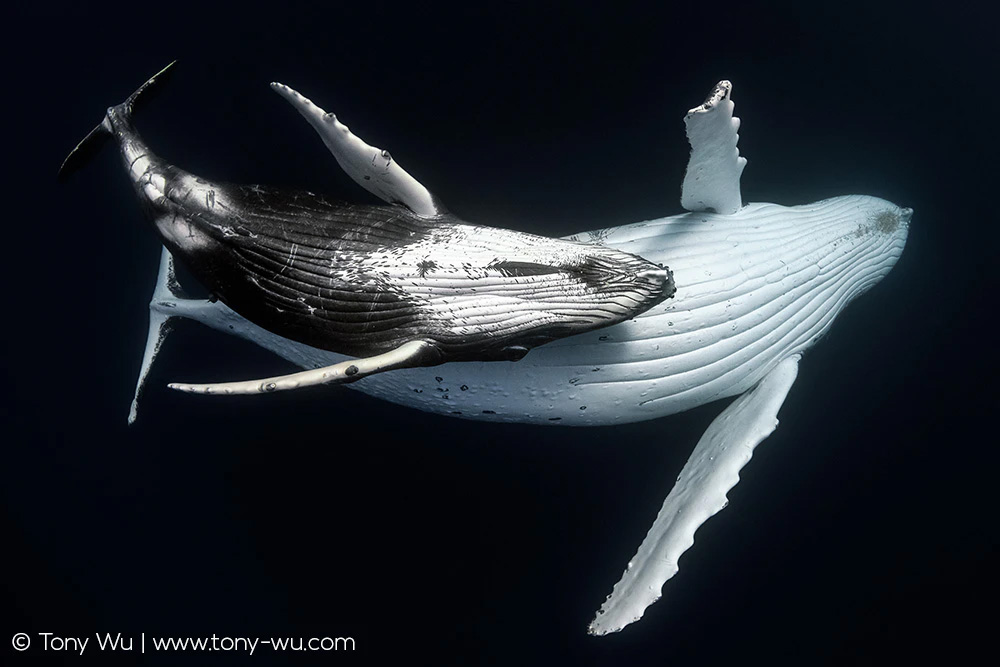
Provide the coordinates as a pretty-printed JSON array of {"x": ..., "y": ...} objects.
[{"x": 863, "y": 528}]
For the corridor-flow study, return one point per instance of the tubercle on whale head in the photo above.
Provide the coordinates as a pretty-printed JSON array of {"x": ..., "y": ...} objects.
[
  {"x": 893, "y": 223},
  {"x": 889, "y": 221},
  {"x": 863, "y": 245}
]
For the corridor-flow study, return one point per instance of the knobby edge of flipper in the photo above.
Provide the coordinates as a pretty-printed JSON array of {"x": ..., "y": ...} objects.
[
  {"x": 372, "y": 168},
  {"x": 411, "y": 354},
  {"x": 91, "y": 144},
  {"x": 699, "y": 493}
]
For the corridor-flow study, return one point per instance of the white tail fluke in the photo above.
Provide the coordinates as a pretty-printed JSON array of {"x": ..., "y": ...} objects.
[{"x": 166, "y": 295}]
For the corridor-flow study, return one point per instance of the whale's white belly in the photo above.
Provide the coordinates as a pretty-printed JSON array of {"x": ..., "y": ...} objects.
[{"x": 752, "y": 289}]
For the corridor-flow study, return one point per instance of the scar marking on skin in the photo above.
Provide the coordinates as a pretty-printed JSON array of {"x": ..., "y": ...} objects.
[{"x": 291, "y": 260}]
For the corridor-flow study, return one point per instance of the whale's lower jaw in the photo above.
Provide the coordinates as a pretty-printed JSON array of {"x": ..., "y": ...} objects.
[{"x": 752, "y": 289}]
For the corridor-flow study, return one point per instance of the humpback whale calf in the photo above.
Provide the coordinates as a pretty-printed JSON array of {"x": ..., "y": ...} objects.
[
  {"x": 610, "y": 339},
  {"x": 397, "y": 286}
]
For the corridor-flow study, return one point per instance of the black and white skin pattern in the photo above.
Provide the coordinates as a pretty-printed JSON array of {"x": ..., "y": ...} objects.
[
  {"x": 362, "y": 280},
  {"x": 758, "y": 285}
]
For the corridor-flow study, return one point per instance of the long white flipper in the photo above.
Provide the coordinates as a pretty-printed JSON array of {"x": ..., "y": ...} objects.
[
  {"x": 371, "y": 168},
  {"x": 699, "y": 493},
  {"x": 712, "y": 181},
  {"x": 407, "y": 355}
]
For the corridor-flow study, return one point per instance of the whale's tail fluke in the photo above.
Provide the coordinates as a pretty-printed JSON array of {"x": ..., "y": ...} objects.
[
  {"x": 168, "y": 304},
  {"x": 166, "y": 293},
  {"x": 95, "y": 140}
]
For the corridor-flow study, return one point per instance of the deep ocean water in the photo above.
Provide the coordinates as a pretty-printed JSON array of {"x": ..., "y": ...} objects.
[{"x": 862, "y": 529}]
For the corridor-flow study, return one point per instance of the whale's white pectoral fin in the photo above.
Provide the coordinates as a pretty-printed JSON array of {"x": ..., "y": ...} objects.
[
  {"x": 712, "y": 181},
  {"x": 700, "y": 492},
  {"x": 408, "y": 355},
  {"x": 372, "y": 168}
]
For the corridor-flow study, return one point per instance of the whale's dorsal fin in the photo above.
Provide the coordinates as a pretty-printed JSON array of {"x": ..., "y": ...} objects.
[
  {"x": 712, "y": 181},
  {"x": 371, "y": 168},
  {"x": 408, "y": 355}
]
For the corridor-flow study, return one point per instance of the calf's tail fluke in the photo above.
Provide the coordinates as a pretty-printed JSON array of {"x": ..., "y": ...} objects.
[{"x": 97, "y": 137}]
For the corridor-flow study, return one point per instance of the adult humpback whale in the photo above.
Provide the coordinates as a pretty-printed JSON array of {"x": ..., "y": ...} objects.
[{"x": 757, "y": 285}]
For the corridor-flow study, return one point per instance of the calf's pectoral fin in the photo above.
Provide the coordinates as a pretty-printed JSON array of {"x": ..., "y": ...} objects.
[
  {"x": 370, "y": 167},
  {"x": 700, "y": 492},
  {"x": 408, "y": 355}
]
